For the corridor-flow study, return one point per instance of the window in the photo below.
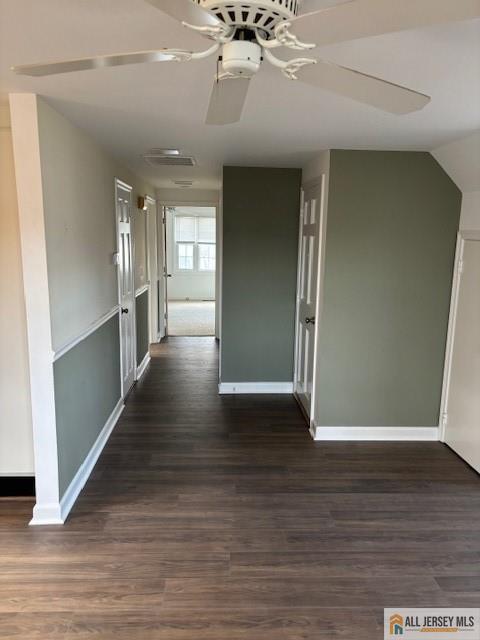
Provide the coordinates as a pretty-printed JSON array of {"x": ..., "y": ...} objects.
[
  {"x": 206, "y": 257},
  {"x": 195, "y": 243},
  {"x": 185, "y": 256}
]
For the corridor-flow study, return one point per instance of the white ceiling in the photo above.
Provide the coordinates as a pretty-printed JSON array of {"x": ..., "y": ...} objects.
[{"x": 131, "y": 109}]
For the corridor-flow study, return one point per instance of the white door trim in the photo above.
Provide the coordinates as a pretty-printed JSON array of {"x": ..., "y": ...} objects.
[
  {"x": 297, "y": 293},
  {"x": 319, "y": 296},
  {"x": 126, "y": 187},
  {"x": 219, "y": 256},
  {"x": 153, "y": 270},
  {"x": 462, "y": 237}
]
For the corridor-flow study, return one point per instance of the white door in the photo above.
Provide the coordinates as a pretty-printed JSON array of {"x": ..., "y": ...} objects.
[
  {"x": 166, "y": 275},
  {"x": 307, "y": 292},
  {"x": 462, "y": 430},
  {"x": 126, "y": 291},
  {"x": 152, "y": 248}
]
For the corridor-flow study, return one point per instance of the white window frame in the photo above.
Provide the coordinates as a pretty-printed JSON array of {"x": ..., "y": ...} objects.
[
  {"x": 179, "y": 269},
  {"x": 196, "y": 258},
  {"x": 206, "y": 244}
]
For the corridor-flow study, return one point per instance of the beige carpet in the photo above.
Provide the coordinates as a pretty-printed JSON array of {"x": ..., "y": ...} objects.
[{"x": 187, "y": 318}]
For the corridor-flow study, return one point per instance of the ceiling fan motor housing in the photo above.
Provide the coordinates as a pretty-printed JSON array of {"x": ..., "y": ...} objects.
[
  {"x": 241, "y": 58},
  {"x": 255, "y": 14}
]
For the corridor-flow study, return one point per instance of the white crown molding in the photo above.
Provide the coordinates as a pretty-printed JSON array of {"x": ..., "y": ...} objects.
[
  {"x": 142, "y": 366},
  {"x": 392, "y": 434},
  {"x": 225, "y": 388},
  {"x": 88, "y": 332}
]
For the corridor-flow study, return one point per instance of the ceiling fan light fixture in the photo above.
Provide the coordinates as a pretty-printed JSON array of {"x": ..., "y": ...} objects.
[{"x": 241, "y": 58}]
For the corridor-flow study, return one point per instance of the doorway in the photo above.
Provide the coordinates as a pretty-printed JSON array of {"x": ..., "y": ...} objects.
[{"x": 191, "y": 264}]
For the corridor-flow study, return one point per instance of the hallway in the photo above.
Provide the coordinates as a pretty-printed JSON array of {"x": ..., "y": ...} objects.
[{"x": 218, "y": 518}]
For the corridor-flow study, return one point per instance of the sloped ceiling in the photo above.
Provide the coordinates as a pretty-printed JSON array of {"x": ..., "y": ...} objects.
[{"x": 461, "y": 160}]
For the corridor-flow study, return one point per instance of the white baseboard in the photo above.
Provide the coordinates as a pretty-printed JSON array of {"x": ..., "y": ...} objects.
[
  {"x": 225, "y": 388},
  {"x": 46, "y": 514},
  {"x": 142, "y": 366},
  {"x": 405, "y": 434},
  {"x": 20, "y": 474},
  {"x": 57, "y": 513}
]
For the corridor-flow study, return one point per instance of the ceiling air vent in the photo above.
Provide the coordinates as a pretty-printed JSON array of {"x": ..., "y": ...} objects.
[
  {"x": 165, "y": 158},
  {"x": 183, "y": 183}
]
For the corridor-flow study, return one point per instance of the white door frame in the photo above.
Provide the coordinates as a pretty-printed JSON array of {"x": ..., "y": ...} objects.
[
  {"x": 318, "y": 184},
  {"x": 219, "y": 255},
  {"x": 129, "y": 188},
  {"x": 152, "y": 269},
  {"x": 462, "y": 237}
]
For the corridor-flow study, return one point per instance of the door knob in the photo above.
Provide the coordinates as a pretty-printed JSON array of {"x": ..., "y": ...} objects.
[
  {"x": 124, "y": 310},
  {"x": 310, "y": 320}
]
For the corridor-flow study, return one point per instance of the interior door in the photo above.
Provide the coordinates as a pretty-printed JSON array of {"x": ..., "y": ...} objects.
[
  {"x": 166, "y": 275},
  {"x": 152, "y": 252},
  {"x": 308, "y": 273},
  {"x": 462, "y": 431},
  {"x": 126, "y": 291}
]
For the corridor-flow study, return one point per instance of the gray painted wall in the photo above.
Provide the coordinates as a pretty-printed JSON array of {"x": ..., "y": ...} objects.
[
  {"x": 87, "y": 388},
  {"x": 260, "y": 236},
  {"x": 79, "y": 204},
  {"x": 141, "y": 317},
  {"x": 391, "y": 232}
]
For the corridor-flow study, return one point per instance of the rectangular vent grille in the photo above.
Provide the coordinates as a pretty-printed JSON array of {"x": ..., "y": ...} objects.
[
  {"x": 183, "y": 183},
  {"x": 169, "y": 161}
]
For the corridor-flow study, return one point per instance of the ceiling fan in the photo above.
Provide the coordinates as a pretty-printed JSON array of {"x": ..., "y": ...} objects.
[{"x": 245, "y": 32}]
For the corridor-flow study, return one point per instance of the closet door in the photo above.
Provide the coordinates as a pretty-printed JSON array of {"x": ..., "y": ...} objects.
[{"x": 462, "y": 409}]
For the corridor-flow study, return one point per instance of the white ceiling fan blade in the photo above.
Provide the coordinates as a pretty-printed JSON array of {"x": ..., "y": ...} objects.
[
  {"x": 363, "y": 88},
  {"x": 363, "y": 18},
  {"x": 82, "y": 64},
  {"x": 227, "y": 100},
  {"x": 186, "y": 11}
]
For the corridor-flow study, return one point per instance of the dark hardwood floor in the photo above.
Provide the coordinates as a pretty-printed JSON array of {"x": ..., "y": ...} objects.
[{"x": 218, "y": 518}]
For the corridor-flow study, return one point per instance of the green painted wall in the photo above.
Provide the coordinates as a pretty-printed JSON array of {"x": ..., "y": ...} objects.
[
  {"x": 87, "y": 388},
  {"x": 391, "y": 233},
  {"x": 260, "y": 236},
  {"x": 141, "y": 306}
]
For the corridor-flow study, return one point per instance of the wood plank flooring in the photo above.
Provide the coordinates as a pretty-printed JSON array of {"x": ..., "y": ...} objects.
[{"x": 218, "y": 518}]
